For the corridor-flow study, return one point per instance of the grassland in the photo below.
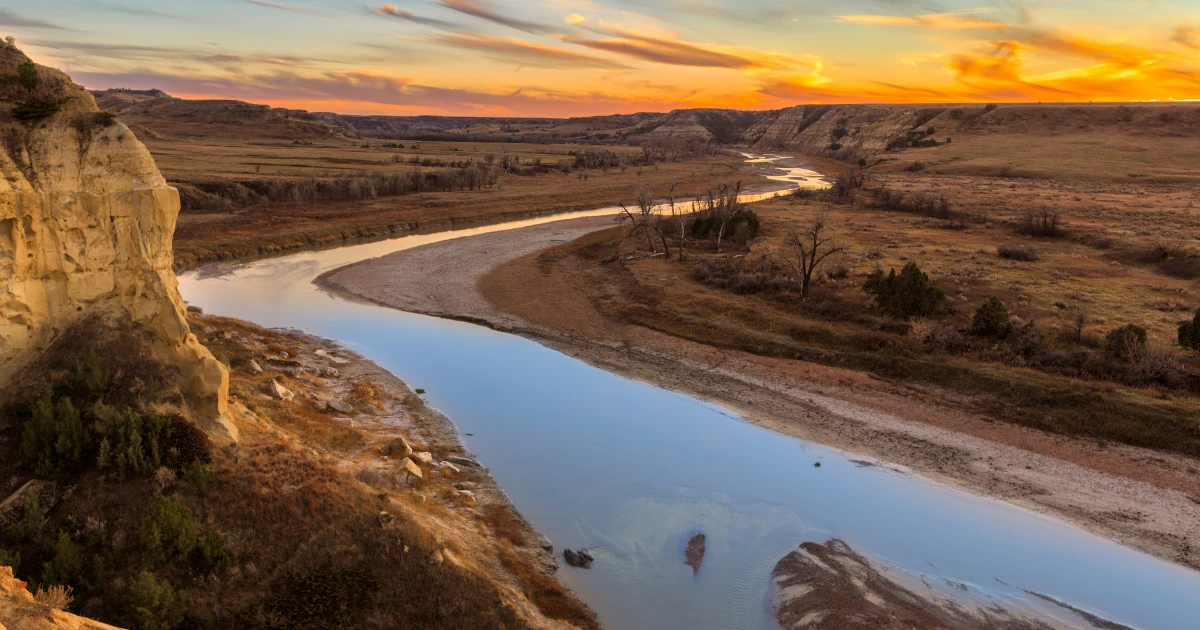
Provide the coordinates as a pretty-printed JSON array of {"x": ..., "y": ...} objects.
[{"x": 536, "y": 185}]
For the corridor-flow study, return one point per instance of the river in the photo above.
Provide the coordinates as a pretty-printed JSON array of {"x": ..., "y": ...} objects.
[{"x": 632, "y": 471}]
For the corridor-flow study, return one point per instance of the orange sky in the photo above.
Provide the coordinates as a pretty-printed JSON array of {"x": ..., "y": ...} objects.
[{"x": 585, "y": 57}]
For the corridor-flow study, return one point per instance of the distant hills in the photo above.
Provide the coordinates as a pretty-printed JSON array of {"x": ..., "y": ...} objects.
[{"x": 846, "y": 132}]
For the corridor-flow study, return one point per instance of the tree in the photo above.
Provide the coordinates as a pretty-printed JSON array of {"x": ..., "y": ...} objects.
[
  {"x": 1126, "y": 343},
  {"x": 992, "y": 320},
  {"x": 645, "y": 221},
  {"x": 153, "y": 604},
  {"x": 1189, "y": 333},
  {"x": 809, "y": 249},
  {"x": 678, "y": 216},
  {"x": 909, "y": 294},
  {"x": 28, "y": 75}
]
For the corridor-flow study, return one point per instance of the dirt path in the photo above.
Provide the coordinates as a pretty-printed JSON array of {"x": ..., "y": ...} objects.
[{"x": 1146, "y": 499}]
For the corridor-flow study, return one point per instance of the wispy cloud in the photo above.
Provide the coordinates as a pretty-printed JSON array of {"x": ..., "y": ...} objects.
[
  {"x": 389, "y": 10},
  {"x": 290, "y": 7},
  {"x": 481, "y": 10},
  {"x": 659, "y": 49},
  {"x": 1188, "y": 36},
  {"x": 948, "y": 21},
  {"x": 12, "y": 19},
  {"x": 520, "y": 52}
]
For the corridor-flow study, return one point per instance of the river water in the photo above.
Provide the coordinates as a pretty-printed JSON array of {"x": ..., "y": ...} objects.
[{"x": 633, "y": 471}]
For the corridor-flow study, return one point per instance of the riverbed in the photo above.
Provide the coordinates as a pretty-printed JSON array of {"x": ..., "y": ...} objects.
[{"x": 633, "y": 472}]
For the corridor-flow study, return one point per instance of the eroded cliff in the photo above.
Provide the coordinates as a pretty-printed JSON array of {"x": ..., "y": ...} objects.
[{"x": 86, "y": 222}]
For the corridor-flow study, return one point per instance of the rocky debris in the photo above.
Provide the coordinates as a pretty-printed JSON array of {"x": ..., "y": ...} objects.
[
  {"x": 409, "y": 469},
  {"x": 19, "y": 610},
  {"x": 386, "y": 518},
  {"x": 281, "y": 392},
  {"x": 86, "y": 224},
  {"x": 463, "y": 461},
  {"x": 341, "y": 406},
  {"x": 436, "y": 558},
  {"x": 327, "y": 372},
  {"x": 582, "y": 558},
  {"x": 255, "y": 368},
  {"x": 466, "y": 494},
  {"x": 425, "y": 457},
  {"x": 447, "y": 466},
  {"x": 320, "y": 404},
  {"x": 195, "y": 310},
  {"x": 397, "y": 447},
  {"x": 694, "y": 554},
  {"x": 339, "y": 361},
  {"x": 465, "y": 485},
  {"x": 348, "y": 422},
  {"x": 545, "y": 543}
]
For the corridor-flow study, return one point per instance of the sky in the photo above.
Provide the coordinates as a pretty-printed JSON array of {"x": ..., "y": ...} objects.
[{"x": 565, "y": 58}]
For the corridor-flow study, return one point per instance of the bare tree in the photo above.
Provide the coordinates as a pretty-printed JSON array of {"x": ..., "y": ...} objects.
[
  {"x": 678, "y": 217},
  {"x": 809, "y": 248},
  {"x": 644, "y": 220}
]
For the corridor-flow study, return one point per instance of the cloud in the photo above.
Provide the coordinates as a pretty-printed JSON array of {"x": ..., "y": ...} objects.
[
  {"x": 1188, "y": 36},
  {"x": 507, "y": 49},
  {"x": 677, "y": 52},
  {"x": 290, "y": 7},
  {"x": 11, "y": 19},
  {"x": 408, "y": 16},
  {"x": 947, "y": 21},
  {"x": 135, "y": 11},
  {"x": 477, "y": 8}
]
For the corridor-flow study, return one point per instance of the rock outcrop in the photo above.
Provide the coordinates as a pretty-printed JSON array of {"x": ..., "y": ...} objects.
[
  {"x": 86, "y": 222},
  {"x": 20, "y": 611}
]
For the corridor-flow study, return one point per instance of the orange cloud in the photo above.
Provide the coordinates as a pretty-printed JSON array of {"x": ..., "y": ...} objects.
[
  {"x": 677, "y": 52},
  {"x": 949, "y": 21},
  {"x": 518, "y": 51}
]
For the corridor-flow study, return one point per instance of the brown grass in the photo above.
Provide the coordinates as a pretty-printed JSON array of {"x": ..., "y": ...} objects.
[{"x": 548, "y": 594}]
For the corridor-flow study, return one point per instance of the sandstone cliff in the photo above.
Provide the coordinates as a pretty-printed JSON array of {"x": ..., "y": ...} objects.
[
  {"x": 19, "y": 610},
  {"x": 86, "y": 222}
]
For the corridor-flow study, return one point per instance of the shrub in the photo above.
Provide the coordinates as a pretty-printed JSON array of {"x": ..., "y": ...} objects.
[
  {"x": 104, "y": 119},
  {"x": 991, "y": 107},
  {"x": 170, "y": 532},
  {"x": 27, "y": 75},
  {"x": 66, "y": 564},
  {"x": 10, "y": 559},
  {"x": 212, "y": 554},
  {"x": 1043, "y": 223},
  {"x": 1126, "y": 343},
  {"x": 909, "y": 294},
  {"x": 1189, "y": 333},
  {"x": 58, "y": 597},
  {"x": 1017, "y": 252},
  {"x": 198, "y": 479},
  {"x": 153, "y": 604},
  {"x": 54, "y": 442},
  {"x": 90, "y": 380},
  {"x": 323, "y": 597},
  {"x": 134, "y": 445},
  {"x": 992, "y": 320}
]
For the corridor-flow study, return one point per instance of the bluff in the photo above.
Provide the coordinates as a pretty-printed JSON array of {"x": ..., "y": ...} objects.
[{"x": 86, "y": 222}]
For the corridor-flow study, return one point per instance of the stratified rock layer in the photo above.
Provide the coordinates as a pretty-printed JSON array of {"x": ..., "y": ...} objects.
[{"x": 86, "y": 222}]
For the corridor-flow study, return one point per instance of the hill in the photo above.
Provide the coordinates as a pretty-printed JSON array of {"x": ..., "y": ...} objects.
[{"x": 156, "y": 114}]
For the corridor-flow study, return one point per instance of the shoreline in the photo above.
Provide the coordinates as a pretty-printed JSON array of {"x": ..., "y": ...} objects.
[{"x": 1140, "y": 498}]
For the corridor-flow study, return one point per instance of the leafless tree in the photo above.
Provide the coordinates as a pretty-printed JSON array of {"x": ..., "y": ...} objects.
[
  {"x": 807, "y": 249},
  {"x": 678, "y": 217},
  {"x": 644, "y": 220},
  {"x": 722, "y": 206}
]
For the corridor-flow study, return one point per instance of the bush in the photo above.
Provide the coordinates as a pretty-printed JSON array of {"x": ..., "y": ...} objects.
[
  {"x": 991, "y": 107},
  {"x": 198, "y": 479},
  {"x": 1126, "y": 343},
  {"x": 170, "y": 532},
  {"x": 1189, "y": 333},
  {"x": 992, "y": 320},
  {"x": 66, "y": 565},
  {"x": 212, "y": 554},
  {"x": 153, "y": 604},
  {"x": 322, "y": 598},
  {"x": 909, "y": 294},
  {"x": 54, "y": 442},
  {"x": 1017, "y": 252},
  {"x": 1042, "y": 223},
  {"x": 10, "y": 559},
  {"x": 27, "y": 75},
  {"x": 134, "y": 445},
  {"x": 104, "y": 119}
]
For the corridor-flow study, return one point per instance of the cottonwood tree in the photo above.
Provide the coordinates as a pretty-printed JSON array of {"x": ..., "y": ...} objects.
[
  {"x": 678, "y": 217},
  {"x": 806, "y": 249},
  {"x": 645, "y": 220},
  {"x": 720, "y": 207}
]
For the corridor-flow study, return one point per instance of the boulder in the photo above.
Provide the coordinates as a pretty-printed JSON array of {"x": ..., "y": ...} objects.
[
  {"x": 466, "y": 494},
  {"x": 410, "y": 469},
  {"x": 582, "y": 558},
  {"x": 425, "y": 457},
  {"x": 255, "y": 368},
  {"x": 341, "y": 406},
  {"x": 281, "y": 392},
  {"x": 465, "y": 485},
  {"x": 386, "y": 518},
  {"x": 463, "y": 461},
  {"x": 448, "y": 467},
  {"x": 397, "y": 447}
]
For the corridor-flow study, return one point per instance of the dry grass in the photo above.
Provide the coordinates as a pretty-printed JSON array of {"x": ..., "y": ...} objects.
[{"x": 547, "y": 593}]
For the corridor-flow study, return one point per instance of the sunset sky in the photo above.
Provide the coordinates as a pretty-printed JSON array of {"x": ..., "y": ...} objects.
[{"x": 585, "y": 57}]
